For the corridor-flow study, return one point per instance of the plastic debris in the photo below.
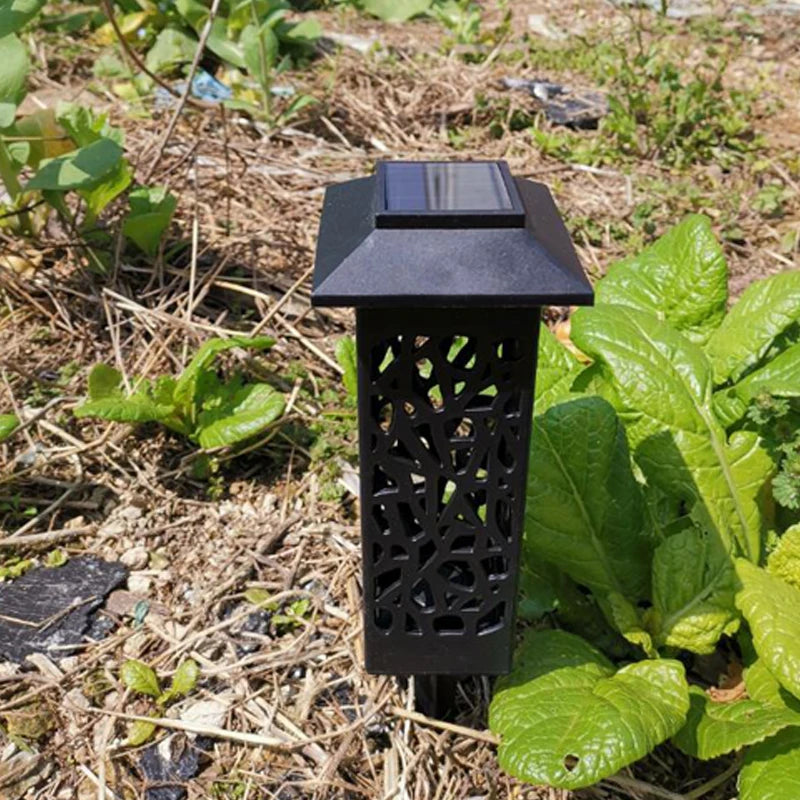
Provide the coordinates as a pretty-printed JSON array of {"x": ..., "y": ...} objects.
[
  {"x": 561, "y": 104},
  {"x": 204, "y": 87},
  {"x": 52, "y": 609}
]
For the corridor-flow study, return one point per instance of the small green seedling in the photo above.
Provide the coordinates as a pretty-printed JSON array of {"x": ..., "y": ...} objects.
[
  {"x": 293, "y": 615},
  {"x": 8, "y": 424},
  {"x": 142, "y": 679},
  {"x": 200, "y": 405}
]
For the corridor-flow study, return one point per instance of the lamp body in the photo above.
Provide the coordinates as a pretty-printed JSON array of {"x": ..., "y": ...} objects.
[
  {"x": 445, "y": 401},
  {"x": 447, "y": 266}
]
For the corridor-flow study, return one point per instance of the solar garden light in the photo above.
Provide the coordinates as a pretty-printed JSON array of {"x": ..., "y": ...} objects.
[{"x": 447, "y": 265}]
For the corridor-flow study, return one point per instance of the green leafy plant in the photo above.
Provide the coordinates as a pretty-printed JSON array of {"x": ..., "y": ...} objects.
[
  {"x": 142, "y": 679},
  {"x": 658, "y": 108},
  {"x": 8, "y": 424},
  {"x": 346, "y": 356},
  {"x": 210, "y": 411},
  {"x": 14, "y": 567},
  {"x": 253, "y": 40},
  {"x": 69, "y": 149},
  {"x": 651, "y": 538},
  {"x": 292, "y": 614},
  {"x": 151, "y": 212}
]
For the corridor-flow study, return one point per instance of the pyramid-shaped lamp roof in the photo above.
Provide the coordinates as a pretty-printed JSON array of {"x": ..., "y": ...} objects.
[{"x": 445, "y": 235}]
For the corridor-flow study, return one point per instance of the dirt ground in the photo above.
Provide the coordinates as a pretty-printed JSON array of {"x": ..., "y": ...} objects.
[{"x": 292, "y": 711}]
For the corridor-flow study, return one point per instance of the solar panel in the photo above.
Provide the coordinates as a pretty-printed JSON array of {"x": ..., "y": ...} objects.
[
  {"x": 445, "y": 187},
  {"x": 441, "y": 194}
]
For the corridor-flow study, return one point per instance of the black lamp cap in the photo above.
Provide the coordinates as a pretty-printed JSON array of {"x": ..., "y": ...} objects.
[{"x": 431, "y": 235}]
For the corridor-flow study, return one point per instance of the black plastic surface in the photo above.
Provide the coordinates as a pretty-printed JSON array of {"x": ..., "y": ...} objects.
[
  {"x": 364, "y": 266},
  {"x": 444, "y": 429}
]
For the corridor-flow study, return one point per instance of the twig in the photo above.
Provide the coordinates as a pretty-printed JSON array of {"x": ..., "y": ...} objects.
[
  {"x": 32, "y": 523},
  {"x": 310, "y": 345},
  {"x": 641, "y": 786},
  {"x": 93, "y": 778},
  {"x": 25, "y": 500},
  {"x": 276, "y": 306},
  {"x": 718, "y": 780},
  {"x": 461, "y": 730},
  {"x": 137, "y": 60},
  {"x": 44, "y": 538},
  {"x": 212, "y": 731},
  {"x": 201, "y": 46}
]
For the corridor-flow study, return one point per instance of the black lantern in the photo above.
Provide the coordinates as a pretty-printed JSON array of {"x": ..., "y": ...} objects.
[{"x": 447, "y": 265}]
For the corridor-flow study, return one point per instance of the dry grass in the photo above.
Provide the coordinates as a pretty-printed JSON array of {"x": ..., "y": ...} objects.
[{"x": 295, "y": 714}]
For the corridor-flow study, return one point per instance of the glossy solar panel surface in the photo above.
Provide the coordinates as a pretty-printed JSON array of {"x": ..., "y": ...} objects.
[{"x": 479, "y": 194}]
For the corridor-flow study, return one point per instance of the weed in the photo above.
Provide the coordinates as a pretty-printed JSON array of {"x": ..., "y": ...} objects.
[
  {"x": 658, "y": 108},
  {"x": 210, "y": 411}
]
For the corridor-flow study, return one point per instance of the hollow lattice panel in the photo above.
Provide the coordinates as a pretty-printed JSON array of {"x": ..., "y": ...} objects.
[{"x": 445, "y": 400}]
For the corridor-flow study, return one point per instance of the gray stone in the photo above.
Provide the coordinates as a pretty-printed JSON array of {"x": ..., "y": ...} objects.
[{"x": 51, "y": 609}]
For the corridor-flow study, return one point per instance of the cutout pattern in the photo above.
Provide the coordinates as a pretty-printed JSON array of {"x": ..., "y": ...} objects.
[{"x": 444, "y": 449}]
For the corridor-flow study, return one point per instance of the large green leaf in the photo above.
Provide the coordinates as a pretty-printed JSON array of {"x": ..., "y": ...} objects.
[
  {"x": 222, "y": 46},
  {"x": 556, "y": 370},
  {"x": 107, "y": 400},
  {"x": 104, "y": 382},
  {"x": 304, "y": 33},
  {"x": 682, "y": 278},
  {"x": 138, "y": 408},
  {"x": 627, "y": 619},
  {"x": 79, "y": 169},
  {"x": 762, "y": 686},
  {"x": 111, "y": 186},
  {"x": 15, "y": 14},
  {"x": 8, "y": 424},
  {"x": 772, "y": 610},
  {"x": 396, "y": 10},
  {"x": 713, "y": 729},
  {"x": 765, "y": 309},
  {"x": 568, "y": 718},
  {"x": 186, "y": 386},
  {"x": 85, "y": 125},
  {"x": 194, "y": 12},
  {"x": 784, "y": 560},
  {"x": 666, "y": 382},
  {"x": 694, "y": 586},
  {"x": 771, "y": 769},
  {"x": 13, "y": 75},
  {"x": 171, "y": 48},
  {"x": 260, "y": 48},
  {"x": 585, "y": 510},
  {"x": 151, "y": 212},
  {"x": 348, "y": 361},
  {"x": 253, "y": 408},
  {"x": 779, "y": 377}
]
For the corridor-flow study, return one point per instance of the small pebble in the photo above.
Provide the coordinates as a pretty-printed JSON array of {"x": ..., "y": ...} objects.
[
  {"x": 139, "y": 584},
  {"x": 131, "y": 513},
  {"x": 135, "y": 558}
]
